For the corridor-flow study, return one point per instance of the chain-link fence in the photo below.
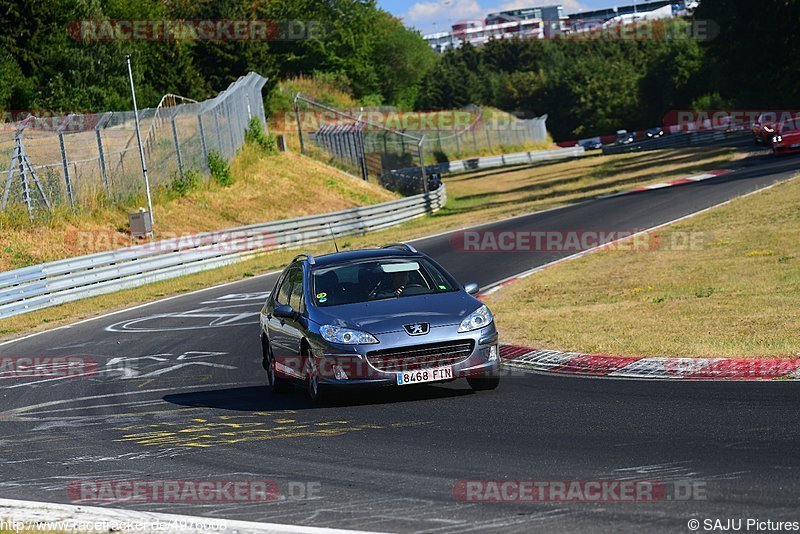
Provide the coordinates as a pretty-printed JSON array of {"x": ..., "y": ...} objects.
[
  {"x": 485, "y": 135},
  {"x": 93, "y": 159},
  {"x": 391, "y": 146},
  {"x": 362, "y": 147}
]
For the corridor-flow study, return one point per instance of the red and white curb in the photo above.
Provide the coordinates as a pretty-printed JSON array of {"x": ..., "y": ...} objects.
[
  {"x": 573, "y": 363},
  {"x": 672, "y": 183}
]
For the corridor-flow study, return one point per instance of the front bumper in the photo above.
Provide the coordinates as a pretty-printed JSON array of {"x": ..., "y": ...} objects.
[{"x": 348, "y": 366}]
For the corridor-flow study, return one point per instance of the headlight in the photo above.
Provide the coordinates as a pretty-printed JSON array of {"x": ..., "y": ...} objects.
[
  {"x": 777, "y": 139},
  {"x": 345, "y": 336},
  {"x": 477, "y": 319}
]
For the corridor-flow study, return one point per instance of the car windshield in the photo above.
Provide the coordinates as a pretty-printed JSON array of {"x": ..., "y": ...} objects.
[
  {"x": 378, "y": 279},
  {"x": 790, "y": 126}
]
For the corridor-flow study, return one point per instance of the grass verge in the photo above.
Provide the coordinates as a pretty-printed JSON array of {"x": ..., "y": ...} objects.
[
  {"x": 725, "y": 283},
  {"x": 263, "y": 188},
  {"x": 472, "y": 199}
]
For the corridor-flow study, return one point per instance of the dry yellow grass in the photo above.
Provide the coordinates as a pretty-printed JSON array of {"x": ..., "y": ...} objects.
[
  {"x": 735, "y": 293},
  {"x": 266, "y": 188}
]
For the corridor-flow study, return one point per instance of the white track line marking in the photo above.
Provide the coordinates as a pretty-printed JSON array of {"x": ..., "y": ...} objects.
[{"x": 30, "y": 513}]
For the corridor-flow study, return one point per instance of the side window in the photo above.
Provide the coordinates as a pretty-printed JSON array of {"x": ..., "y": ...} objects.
[
  {"x": 284, "y": 290},
  {"x": 296, "y": 296}
]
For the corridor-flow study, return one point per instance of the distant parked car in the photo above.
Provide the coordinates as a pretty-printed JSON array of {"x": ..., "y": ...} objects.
[
  {"x": 591, "y": 144},
  {"x": 654, "y": 133},
  {"x": 764, "y": 129},
  {"x": 787, "y": 138},
  {"x": 624, "y": 137}
]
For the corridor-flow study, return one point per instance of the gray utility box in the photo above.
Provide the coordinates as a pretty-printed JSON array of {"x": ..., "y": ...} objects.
[{"x": 141, "y": 224}]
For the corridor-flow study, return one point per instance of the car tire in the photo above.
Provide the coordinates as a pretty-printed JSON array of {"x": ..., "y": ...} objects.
[
  {"x": 277, "y": 383},
  {"x": 483, "y": 383},
  {"x": 318, "y": 393}
]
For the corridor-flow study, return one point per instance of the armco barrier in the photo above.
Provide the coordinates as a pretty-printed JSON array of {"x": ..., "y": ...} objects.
[
  {"x": 518, "y": 158},
  {"x": 49, "y": 284},
  {"x": 675, "y": 141}
]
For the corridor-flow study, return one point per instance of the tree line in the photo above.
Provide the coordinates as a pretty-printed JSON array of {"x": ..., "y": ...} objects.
[{"x": 588, "y": 87}]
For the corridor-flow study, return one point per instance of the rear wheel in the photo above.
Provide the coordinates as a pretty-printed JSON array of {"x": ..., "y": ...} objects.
[
  {"x": 276, "y": 382},
  {"x": 483, "y": 383}
]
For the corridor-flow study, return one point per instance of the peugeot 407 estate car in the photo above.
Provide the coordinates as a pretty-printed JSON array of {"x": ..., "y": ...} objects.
[{"x": 379, "y": 317}]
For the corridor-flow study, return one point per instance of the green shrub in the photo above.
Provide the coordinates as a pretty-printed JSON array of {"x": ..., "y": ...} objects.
[
  {"x": 183, "y": 185},
  {"x": 255, "y": 135},
  {"x": 220, "y": 169}
]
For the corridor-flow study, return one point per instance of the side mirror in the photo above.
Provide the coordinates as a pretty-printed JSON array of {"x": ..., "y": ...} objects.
[
  {"x": 471, "y": 288},
  {"x": 283, "y": 311}
]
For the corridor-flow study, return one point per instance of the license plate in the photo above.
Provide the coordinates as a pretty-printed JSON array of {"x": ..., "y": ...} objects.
[{"x": 424, "y": 375}]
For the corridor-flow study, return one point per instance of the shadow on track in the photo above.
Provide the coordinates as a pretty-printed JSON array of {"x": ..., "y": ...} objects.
[{"x": 261, "y": 398}]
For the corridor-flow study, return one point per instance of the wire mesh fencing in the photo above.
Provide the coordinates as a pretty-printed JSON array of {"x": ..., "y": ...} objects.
[
  {"x": 394, "y": 147},
  {"x": 361, "y": 147},
  {"x": 88, "y": 160},
  {"x": 483, "y": 135}
]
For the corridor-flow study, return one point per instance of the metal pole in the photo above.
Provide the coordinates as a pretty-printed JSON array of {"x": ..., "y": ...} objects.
[
  {"x": 422, "y": 163},
  {"x": 203, "y": 137},
  {"x": 26, "y": 194},
  {"x": 177, "y": 147},
  {"x": 65, "y": 165},
  {"x": 102, "y": 160},
  {"x": 10, "y": 175},
  {"x": 299, "y": 125},
  {"x": 141, "y": 150}
]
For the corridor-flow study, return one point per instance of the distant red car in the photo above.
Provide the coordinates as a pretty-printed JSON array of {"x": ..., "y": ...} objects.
[
  {"x": 786, "y": 139},
  {"x": 764, "y": 129}
]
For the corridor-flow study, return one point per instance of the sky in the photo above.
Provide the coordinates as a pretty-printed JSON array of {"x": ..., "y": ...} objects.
[{"x": 438, "y": 15}]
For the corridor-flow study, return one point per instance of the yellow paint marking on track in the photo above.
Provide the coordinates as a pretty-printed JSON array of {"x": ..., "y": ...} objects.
[{"x": 226, "y": 430}]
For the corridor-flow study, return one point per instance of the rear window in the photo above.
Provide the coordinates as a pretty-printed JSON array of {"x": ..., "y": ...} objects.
[{"x": 379, "y": 279}]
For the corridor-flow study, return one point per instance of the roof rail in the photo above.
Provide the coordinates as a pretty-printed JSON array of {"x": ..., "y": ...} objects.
[
  {"x": 401, "y": 246},
  {"x": 308, "y": 257}
]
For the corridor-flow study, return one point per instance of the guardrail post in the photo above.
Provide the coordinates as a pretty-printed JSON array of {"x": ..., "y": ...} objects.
[{"x": 65, "y": 165}]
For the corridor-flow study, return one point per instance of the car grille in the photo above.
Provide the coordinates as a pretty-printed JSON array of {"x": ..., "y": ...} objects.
[{"x": 421, "y": 356}]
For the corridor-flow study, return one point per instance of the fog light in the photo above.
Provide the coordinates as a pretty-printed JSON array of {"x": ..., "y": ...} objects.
[
  {"x": 492, "y": 353},
  {"x": 339, "y": 373}
]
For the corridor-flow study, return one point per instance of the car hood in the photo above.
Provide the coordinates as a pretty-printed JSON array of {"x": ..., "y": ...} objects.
[
  {"x": 792, "y": 136},
  {"x": 389, "y": 315}
]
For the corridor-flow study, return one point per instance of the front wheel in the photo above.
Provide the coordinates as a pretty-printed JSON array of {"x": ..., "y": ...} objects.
[
  {"x": 318, "y": 393},
  {"x": 277, "y": 383},
  {"x": 483, "y": 383}
]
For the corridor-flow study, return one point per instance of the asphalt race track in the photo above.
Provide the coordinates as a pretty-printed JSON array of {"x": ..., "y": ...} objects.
[{"x": 179, "y": 394}]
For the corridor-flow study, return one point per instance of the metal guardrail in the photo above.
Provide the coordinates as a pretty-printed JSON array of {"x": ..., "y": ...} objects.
[
  {"x": 49, "y": 284},
  {"x": 487, "y": 162},
  {"x": 675, "y": 141}
]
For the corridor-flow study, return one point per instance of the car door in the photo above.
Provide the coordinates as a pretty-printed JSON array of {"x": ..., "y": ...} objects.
[
  {"x": 294, "y": 329},
  {"x": 276, "y": 327}
]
